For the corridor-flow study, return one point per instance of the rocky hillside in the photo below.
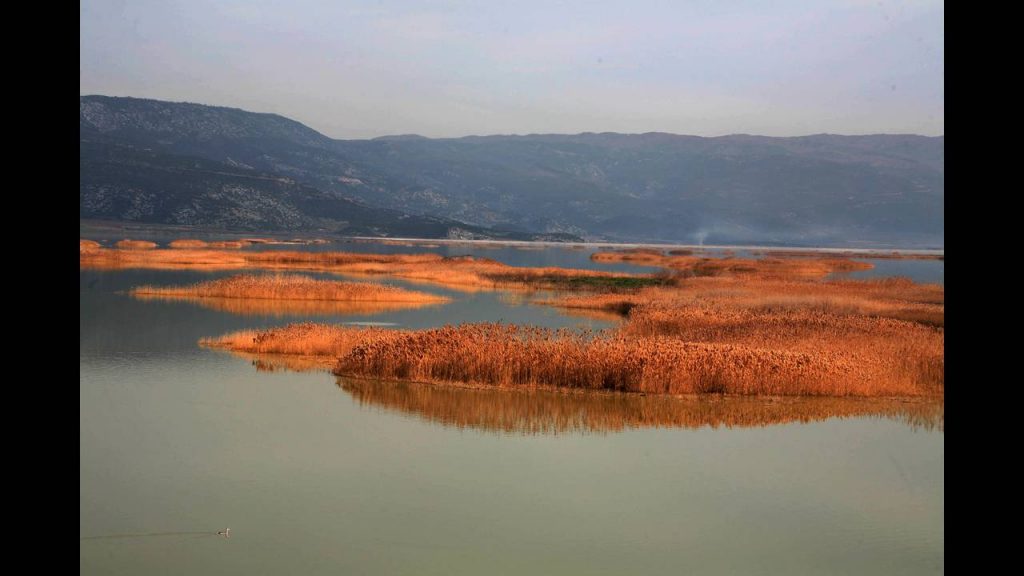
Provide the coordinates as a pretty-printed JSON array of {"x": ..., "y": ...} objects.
[{"x": 824, "y": 189}]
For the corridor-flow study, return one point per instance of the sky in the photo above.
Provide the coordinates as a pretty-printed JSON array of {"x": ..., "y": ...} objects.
[{"x": 453, "y": 68}]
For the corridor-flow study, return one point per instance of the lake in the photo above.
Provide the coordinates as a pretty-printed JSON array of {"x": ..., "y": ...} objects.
[{"x": 320, "y": 475}]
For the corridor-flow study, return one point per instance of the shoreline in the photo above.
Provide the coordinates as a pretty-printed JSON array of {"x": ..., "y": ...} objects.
[{"x": 114, "y": 229}]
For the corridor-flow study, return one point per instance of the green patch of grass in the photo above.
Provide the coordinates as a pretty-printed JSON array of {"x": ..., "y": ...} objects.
[
  {"x": 607, "y": 281},
  {"x": 582, "y": 282}
]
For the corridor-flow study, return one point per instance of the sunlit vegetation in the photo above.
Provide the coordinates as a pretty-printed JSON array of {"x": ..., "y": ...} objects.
[
  {"x": 895, "y": 298},
  {"x": 746, "y": 333},
  {"x": 304, "y": 339},
  {"x": 769, "y": 326},
  {"x": 228, "y": 244},
  {"x": 88, "y": 245},
  {"x": 642, "y": 256},
  {"x": 514, "y": 356},
  {"x": 127, "y": 244},
  {"x": 460, "y": 272},
  {"x": 188, "y": 243},
  {"x": 289, "y": 294},
  {"x": 285, "y": 308},
  {"x": 683, "y": 264}
]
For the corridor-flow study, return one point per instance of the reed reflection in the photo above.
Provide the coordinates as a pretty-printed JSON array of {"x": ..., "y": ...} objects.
[{"x": 553, "y": 412}]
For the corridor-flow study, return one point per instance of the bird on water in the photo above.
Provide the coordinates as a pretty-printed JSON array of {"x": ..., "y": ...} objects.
[{"x": 225, "y": 533}]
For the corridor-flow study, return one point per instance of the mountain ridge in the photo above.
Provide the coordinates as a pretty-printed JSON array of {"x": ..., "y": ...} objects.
[{"x": 655, "y": 186}]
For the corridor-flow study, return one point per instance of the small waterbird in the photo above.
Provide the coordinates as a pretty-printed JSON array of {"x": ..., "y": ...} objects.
[{"x": 225, "y": 533}]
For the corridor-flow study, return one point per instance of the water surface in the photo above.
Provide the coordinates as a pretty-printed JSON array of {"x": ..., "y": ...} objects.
[{"x": 316, "y": 475}]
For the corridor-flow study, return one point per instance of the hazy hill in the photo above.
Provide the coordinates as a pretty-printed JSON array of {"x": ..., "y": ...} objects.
[{"x": 822, "y": 189}]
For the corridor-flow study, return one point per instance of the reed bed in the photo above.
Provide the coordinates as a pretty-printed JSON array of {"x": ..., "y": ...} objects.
[
  {"x": 720, "y": 326},
  {"x": 227, "y": 244},
  {"x": 188, "y": 243},
  {"x": 648, "y": 256},
  {"x": 88, "y": 245},
  {"x": 127, "y": 244},
  {"x": 896, "y": 298},
  {"x": 289, "y": 293},
  {"x": 512, "y": 356},
  {"x": 286, "y": 308},
  {"x": 461, "y": 273},
  {"x": 685, "y": 265},
  {"x": 735, "y": 335},
  {"x": 302, "y": 339}
]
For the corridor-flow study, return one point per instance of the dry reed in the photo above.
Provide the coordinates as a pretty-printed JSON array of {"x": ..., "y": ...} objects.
[
  {"x": 513, "y": 356},
  {"x": 188, "y": 243},
  {"x": 290, "y": 287},
  {"x": 685, "y": 265},
  {"x": 127, "y": 244},
  {"x": 285, "y": 308},
  {"x": 460, "y": 272}
]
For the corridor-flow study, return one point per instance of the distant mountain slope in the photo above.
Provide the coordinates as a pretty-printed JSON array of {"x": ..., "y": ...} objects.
[
  {"x": 823, "y": 189},
  {"x": 816, "y": 189},
  {"x": 119, "y": 182}
]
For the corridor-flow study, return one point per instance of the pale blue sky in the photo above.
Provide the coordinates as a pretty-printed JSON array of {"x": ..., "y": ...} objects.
[{"x": 452, "y": 68}]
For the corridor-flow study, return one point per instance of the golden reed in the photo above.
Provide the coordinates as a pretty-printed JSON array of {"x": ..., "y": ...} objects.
[
  {"x": 513, "y": 356},
  {"x": 461, "y": 272},
  {"x": 290, "y": 287}
]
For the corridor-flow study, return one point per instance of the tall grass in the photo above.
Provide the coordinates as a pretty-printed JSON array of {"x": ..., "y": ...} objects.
[
  {"x": 285, "y": 308},
  {"x": 513, "y": 356},
  {"x": 227, "y": 244},
  {"x": 896, "y": 298},
  {"x": 686, "y": 265},
  {"x": 303, "y": 339},
  {"x": 727, "y": 334},
  {"x": 127, "y": 244},
  {"x": 188, "y": 243},
  {"x": 461, "y": 273},
  {"x": 289, "y": 287}
]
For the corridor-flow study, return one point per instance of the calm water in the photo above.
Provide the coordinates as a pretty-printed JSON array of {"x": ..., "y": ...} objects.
[{"x": 320, "y": 476}]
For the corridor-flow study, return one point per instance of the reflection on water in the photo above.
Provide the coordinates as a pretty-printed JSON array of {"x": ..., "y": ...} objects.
[
  {"x": 544, "y": 411},
  {"x": 554, "y": 412},
  {"x": 379, "y": 478},
  {"x": 280, "y": 308},
  {"x": 924, "y": 271},
  {"x": 287, "y": 362}
]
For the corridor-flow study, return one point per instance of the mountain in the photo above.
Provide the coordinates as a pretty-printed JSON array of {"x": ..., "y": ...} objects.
[
  {"x": 811, "y": 190},
  {"x": 149, "y": 161}
]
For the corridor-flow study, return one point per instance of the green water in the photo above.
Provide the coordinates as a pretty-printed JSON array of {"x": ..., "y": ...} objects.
[{"x": 178, "y": 442}]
